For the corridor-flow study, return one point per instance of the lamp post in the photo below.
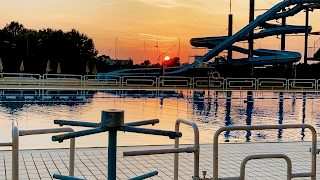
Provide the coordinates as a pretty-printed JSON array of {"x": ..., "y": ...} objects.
[{"x": 162, "y": 60}]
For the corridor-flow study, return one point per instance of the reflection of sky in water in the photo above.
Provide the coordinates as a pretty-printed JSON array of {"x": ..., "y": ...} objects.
[{"x": 210, "y": 110}]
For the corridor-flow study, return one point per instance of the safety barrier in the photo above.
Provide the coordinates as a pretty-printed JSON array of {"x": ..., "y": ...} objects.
[
  {"x": 208, "y": 82},
  {"x": 20, "y": 79},
  {"x": 272, "y": 83},
  {"x": 62, "y": 80},
  {"x": 302, "y": 84},
  {"x": 15, "y": 146},
  {"x": 156, "y": 82},
  {"x": 174, "y": 81},
  {"x": 240, "y": 83},
  {"x": 106, "y": 80},
  {"x": 193, "y": 149},
  {"x": 313, "y": 149},
  {"x": 139, "y": 81}
]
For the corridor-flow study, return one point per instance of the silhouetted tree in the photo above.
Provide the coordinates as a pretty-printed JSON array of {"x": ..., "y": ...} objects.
[{"x": 71, "y": 49}]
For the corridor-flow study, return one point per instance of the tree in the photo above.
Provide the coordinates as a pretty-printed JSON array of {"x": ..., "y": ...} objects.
[
  {"x": 146, "y": 63},
  {"x": 15, "y": 28},
  {"x": 71, "y": 49}
]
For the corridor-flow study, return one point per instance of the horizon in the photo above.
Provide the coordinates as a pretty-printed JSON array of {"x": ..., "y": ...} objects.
[{"x": 135, "y": 25}]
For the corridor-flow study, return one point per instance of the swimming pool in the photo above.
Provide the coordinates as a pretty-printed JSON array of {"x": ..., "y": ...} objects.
[{"x": 209, "y": 109}]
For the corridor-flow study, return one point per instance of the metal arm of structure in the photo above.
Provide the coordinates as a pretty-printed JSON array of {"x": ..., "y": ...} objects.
[
  {"x": 62, "y": 177},
  {"x": 171, "y": 134},
  {"x": 145, "y": 176},
  {"x": 76, "y": 123},
  {"x": 62, "y": 137},
  {"x": 141, "y": 123}
]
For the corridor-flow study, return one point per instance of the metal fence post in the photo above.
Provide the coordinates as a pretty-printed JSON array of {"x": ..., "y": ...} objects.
[
  {"x": 72, "y": 154},
  {"x": 15, "y": 151}
]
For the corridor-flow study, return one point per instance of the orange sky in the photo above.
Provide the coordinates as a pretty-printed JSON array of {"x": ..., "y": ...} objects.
[{"x": 135, "y": 22}]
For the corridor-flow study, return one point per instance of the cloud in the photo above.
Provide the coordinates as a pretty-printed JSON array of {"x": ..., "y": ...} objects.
[
  {"x": 166, "y": 3},
  {"x": 144, "y": 34},
  {"x": 118, "y": 2},
  {"x": 211, "y": 7}
]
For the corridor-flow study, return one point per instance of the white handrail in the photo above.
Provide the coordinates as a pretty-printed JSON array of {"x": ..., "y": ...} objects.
[
  {"x": 55, "y": 130},
  {"x": 193, "y": 149},
  {"x": 196, "y": 148},
  {"x": 15, "y": 146}
]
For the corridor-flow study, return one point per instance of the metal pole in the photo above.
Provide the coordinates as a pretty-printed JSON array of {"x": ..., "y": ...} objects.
[
  {"x": 15, "y": 151},
  {"x": 72, "y": 154},
  {"x": 251, "y": 18},
  {"x": 176, "y": 155},
  {"x": 230, "y": 34},
  {"x": 306, "y": 37},
  {"x": 283, "y": 36},
  {"x": 112, "y": 154},
  {"x": 115, "y": 49}
]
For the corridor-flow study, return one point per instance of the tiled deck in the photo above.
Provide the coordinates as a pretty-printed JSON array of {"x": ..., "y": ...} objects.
[{"x": 91, "y": 163}]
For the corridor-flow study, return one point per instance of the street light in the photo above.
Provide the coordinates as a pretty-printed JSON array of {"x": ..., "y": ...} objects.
[
  {"x": 109, "y": 52},
  {"x": 163, "y": 60}
]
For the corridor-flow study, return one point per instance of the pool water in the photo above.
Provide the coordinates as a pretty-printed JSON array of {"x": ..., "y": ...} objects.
[{"x": 209, "y": 109}]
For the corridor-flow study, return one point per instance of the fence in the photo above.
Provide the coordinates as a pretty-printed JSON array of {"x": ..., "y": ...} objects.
[{"x": 64, "y": 81}]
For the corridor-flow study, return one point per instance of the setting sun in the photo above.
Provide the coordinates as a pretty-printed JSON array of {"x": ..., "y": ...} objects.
[{"x": 166, "y": 58}]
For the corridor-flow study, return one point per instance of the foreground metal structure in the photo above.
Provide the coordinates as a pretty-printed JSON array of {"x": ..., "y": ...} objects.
[
  {"x": 15, "y": 146},
  {"x": 195, "y": 149},
  {"x": 290, "y": 175},
  {"x": 112, "y": 121}
]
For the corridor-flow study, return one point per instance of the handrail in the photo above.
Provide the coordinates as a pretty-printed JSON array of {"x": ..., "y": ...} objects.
[
  {"x": 264, "y": 156},
  {"x": 314, "y": 149},
  {"x": 15, "y": 146},
  {"x": 196, "y": 148},
  {"x": 55, "y": 130}
]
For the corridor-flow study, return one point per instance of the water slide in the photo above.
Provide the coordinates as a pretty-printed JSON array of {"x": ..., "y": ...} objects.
[
  {"x": 266, "y": 57},
  {"x": 262, "y": 56}
]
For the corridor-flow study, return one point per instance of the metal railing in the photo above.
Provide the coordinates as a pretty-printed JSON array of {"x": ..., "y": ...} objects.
[
  {"x": 15, "y": 150},
  {"x": 192, "y": 149},
  {"x": 15, "y": 146},
  {"x": 195, "y": 148},
  {"x": 314, "y": 150},
  {"x": 156, "y": 82},
  {"x": 272, "y": 83}
]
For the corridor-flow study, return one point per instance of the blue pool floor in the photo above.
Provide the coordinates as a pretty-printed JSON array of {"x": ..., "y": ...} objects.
[{"x": 91, "y": 163}]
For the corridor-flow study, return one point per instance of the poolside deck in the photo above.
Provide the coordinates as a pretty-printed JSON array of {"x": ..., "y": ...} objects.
[{"x": 91, "y": 163}]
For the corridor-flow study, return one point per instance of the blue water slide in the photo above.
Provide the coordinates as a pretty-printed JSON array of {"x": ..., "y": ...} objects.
[
  {"x": 211, "y": 42},
  {"x": 269, "y": 15}
]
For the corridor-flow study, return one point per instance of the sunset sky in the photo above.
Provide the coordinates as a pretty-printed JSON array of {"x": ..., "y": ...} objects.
[{"x": 139, "y": 24}]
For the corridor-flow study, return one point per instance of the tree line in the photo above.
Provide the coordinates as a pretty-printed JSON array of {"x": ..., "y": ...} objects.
[{"x": 47, "y": 51}]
